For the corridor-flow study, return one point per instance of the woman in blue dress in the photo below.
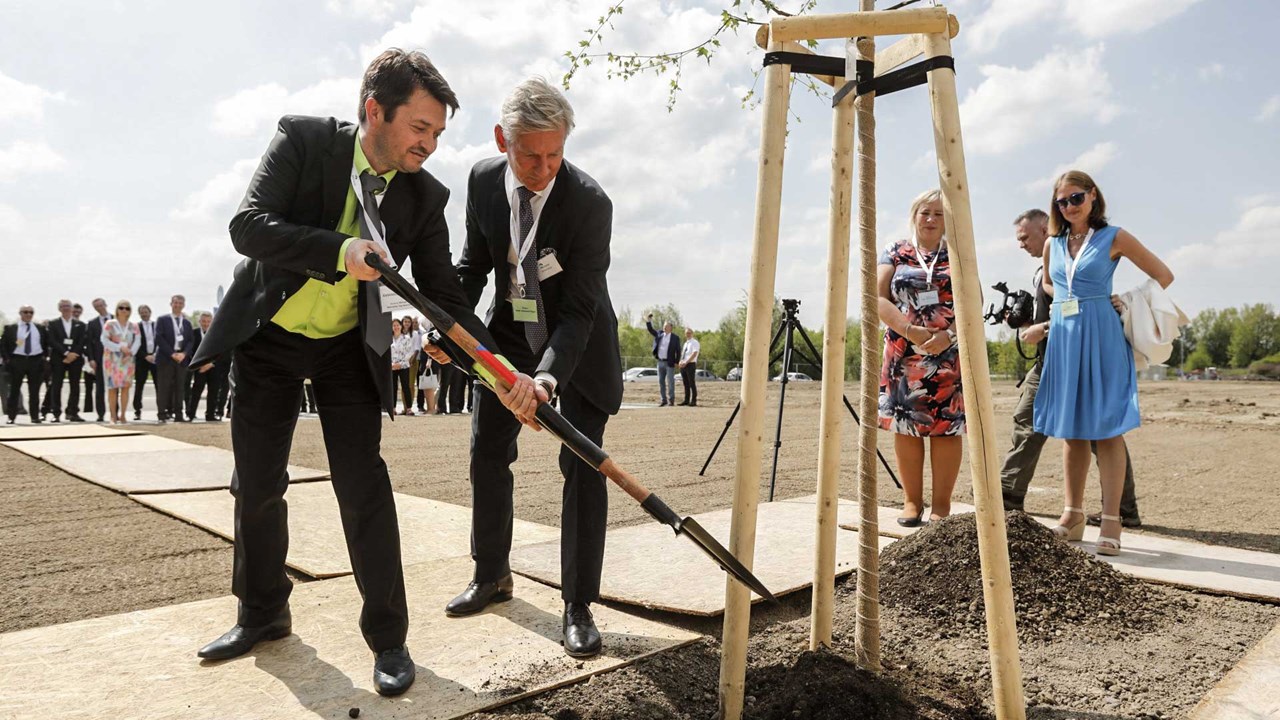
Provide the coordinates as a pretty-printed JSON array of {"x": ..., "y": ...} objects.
[{"x": 1088, "y": 387}]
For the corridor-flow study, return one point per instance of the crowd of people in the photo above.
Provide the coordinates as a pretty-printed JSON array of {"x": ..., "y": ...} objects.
[{"x": 111, "y": 357}]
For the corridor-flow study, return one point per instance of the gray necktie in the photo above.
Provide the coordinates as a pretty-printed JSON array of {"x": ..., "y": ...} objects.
[
  {"x": 377, "y": 327},
  {"x": 26, "y": 345},
  {"x": 534, "y": 332}
]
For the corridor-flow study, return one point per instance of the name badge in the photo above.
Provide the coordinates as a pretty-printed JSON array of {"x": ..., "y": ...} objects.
[
  {"x": 524, "y": 310},
  {"x": 391, "y": 302},
  {"x": 925, "y": 299},
  {"x": 1070, "y": 307},
  {"x": 548, "y": 266},
  {"x": 179, "y": 338},
  {"x": 67, "y": 342}
]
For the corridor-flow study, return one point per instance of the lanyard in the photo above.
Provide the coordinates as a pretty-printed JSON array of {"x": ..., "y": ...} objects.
[
  {"x": 522, "y": 250},
  {"x": 375, "y": 228},
  {"x": 928, "y": 270},
  {"x": 1072, "y": 262}
]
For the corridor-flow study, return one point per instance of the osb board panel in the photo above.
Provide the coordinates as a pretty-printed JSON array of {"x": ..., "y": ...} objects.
[
  {"x": 97, "y": 445},
  {"x": 649, "y": 566},
  {"x": 50, "y": 431},
  {"x": 1250, "y": 690},
  {"x": 1206, "y": 568},
  {"x": 191, "y": 468},
  {"x": 429, "y": 530},
  {"x": 143, "y": 664},
  {"x": 889, "y": 520}
]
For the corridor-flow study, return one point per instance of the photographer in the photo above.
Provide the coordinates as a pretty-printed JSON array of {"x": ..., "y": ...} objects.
[{"x": 1031, "y": 229}]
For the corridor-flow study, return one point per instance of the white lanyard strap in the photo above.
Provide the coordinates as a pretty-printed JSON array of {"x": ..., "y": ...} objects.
[
  {"x": 375, "y": 226},
  {"x": 1072, "y": 262},
  {"x": 522, "y": 251},
  {"x": 928, "y": 269}
]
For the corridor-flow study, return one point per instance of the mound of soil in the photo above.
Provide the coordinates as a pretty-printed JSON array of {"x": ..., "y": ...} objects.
[
  {"x": 822, "y": 685},
  {"x": 936, "y": 573}
]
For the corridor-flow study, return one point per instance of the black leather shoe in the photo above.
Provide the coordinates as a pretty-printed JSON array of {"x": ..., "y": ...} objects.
[
  {"x": 240, "y": 639},
  {"x": 478, "y": 595},
  {"x": 137, "y": 414},
  {"x": 74, "y": 418},
  {"x": 393, "y": 671},
  {"x": 581, "y": 638}
]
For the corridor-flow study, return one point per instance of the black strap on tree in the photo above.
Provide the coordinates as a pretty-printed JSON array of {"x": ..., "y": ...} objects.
[{"x": 865, "y": 81}]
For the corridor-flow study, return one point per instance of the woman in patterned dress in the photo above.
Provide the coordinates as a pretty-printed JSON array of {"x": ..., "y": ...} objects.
[
  {"x": 1088, "y": 387},
  {"x": 401, "y": 350},
  {"x": 120, "y": 341},
  {"x": 920, "y": 394}
]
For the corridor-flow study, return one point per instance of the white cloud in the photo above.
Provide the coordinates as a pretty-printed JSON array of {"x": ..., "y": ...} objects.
[
  {"x": 1251, "y": 241},
  {"x": 219, "y": 197},
  {"x": 250, "y": 112},
  {"x": 11, "y": 220},
  {"x": 1012, "y": 106},
  {"x": 1091, "y": 161},
  {"x": 1212, "y": 71},
  {"x": 21, "y": 101},
  {"x": 1095, "y": 19},
  {"x": 28, "y": 156},
  {"x": 372, "y": 10},
  {"x": 1270, "y": 109}
]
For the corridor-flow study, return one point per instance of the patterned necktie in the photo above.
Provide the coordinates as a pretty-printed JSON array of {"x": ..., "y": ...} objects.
[
  {"x": 26, "y": 344},
  {"x": 534, "y": 332},
  {"x": 377, "y": 328}
]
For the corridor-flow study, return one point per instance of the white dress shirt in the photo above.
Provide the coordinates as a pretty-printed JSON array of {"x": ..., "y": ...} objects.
[
  {"x": 536, "y": 203},
  {"x": 25, "y": 329},
  {"x": 691, "y": 348}
]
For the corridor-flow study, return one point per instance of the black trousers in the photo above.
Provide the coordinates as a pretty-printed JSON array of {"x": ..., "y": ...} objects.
[
  {"x": 689, "y": 376},
  {"x": 171, "y": 384},
  {"x": 585, "y": 500},
  {"x": 401, "y": 376},
  {"x": 141, "y": 371},
  {"x": 70, "y": 372},
  {"x": 95, "y": 390},
  {"x": 207, "y": 384},
  {"x": 269, "y": 370},
  {"x": 221, "y": 376},
  {"x": 451, "y": 395},
  {"x": 31, "y": 369}
]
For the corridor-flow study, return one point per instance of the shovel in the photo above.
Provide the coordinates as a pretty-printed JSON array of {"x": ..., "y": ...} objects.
[{"x": 565, "y": 432}]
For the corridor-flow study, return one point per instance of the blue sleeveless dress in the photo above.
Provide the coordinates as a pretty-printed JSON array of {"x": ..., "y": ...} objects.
[{"x": 1088, "y": 386}]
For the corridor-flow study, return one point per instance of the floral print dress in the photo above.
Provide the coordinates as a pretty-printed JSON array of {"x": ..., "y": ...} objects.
[{"x": 920, "y": 395}]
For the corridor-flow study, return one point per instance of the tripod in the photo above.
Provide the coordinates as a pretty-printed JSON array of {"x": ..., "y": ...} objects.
[{"x": 787, "y": 330}]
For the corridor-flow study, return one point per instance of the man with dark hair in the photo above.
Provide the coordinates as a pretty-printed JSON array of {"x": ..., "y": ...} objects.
[
  {"x": 24, "y": 346},
  {"x": 1031, "y": 229},
  {"x": 67, "y": 348},
  {"x": 305, "y": 305},
  {"x": 95, "y": 387},
  {"x": 145, "y": 360},
  {"x": 542, "y": 227},
  {"x": 175, "y": 342}
]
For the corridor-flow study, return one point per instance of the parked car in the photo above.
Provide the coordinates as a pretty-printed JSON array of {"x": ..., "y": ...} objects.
[
  {"x": 640, "y": 374},
  {"x": 794, "y": 377},
  {"x": 702, "y": 375},
  {"x": 734, "y": 375}
]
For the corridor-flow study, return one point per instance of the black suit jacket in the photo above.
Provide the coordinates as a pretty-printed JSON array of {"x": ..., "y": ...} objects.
[
  {"x": 673, "y": 346},
  {"x": 167, "y": 344},
  {"x": 93, "y": 339},
  {"x": 576, "y": 223},
  {"x": 142, "y": 331},
  {"x": 58, "y": 346},
  {"x": 9, "y": 341},
  {"x": 286, "y": 228}
]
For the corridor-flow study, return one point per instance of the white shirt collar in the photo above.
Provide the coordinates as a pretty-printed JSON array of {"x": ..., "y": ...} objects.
[{"x": 509, "y": 181}]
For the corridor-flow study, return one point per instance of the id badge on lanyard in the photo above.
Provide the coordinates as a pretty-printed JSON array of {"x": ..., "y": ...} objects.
[
  {"x": 387, "y": 299},
  {"x": 928, "y": 297},
  {"x": 1071, "y": 306}
]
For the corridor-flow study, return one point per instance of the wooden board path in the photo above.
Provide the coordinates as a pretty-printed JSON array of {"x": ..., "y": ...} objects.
[{"x": 159, "y": 471}]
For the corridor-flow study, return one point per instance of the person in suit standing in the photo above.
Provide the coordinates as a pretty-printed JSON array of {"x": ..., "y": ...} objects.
[
  {"x": 145, "y": 362},
  {"x": 67, "y": 348},
  {"x": 666, "y": 348},
  {"x": 203, "y": 379},
  {"x": 175, "y": 342},
  {"x": 541, "y": 226},
  {"x": 305, "y": 305},
  {"x": 95, "y": 391},
  {"x": 24, "y": 345},
  {"x": 689, "y": 367}
]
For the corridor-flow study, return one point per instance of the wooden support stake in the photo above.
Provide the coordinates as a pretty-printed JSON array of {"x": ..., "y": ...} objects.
[
  {"x": 867, "y": 623},
  {"x": 762, "y": 40},
  {"x": 984, "y": 460},
  {"x": 847, "y": 25},
  {"x": 755, "y": 371},
  {"x": 831, "y": 415}
]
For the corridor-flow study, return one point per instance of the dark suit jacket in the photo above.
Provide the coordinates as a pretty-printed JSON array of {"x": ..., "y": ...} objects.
[
  {"x": 58, "y": 346},
  {"x": 673, "y": 347},
  {"x": 93, "y": 339},
  {"x": 9, "y": 341},
  {"x": 167, "y": 344},
  {"x": 576, "y": 222},
  {"x": 143, "y": 332},
  {"x": 286, "y": 228}
]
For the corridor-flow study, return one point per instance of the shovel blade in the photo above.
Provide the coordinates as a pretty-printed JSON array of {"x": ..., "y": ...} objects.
[{"x": 703, "y": 539}]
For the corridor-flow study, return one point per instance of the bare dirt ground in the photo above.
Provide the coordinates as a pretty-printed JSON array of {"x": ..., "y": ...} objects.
[{"x": 1206, "y": 462}]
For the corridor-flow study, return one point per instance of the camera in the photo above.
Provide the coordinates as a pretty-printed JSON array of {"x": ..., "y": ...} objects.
[{"x": 1016, "y": 308}]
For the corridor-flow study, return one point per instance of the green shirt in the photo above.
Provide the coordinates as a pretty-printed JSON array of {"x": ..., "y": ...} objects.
[{"x": 318, "y": 309}]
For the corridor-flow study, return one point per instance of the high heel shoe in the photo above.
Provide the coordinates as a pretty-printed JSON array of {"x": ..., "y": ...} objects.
[
  {"x": 1108, "y": 545},
  {"x": 1074, "y": 531}
]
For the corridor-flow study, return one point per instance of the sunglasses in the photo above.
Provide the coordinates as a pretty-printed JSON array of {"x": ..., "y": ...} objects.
[
  {"x": 123, "y": 307},
  {"x": 1075, "y": 199},
  {"x": 26, "y": 312}
]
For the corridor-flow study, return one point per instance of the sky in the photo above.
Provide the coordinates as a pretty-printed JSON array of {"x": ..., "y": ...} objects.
[{"x": 129, "y": 129}]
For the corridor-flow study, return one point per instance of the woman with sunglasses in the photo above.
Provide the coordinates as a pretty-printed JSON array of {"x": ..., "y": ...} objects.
[
  {"x": 1088, "y": 387},
  {"x": 120, "y": 341},
  {"x": 920, "y": 393},
  {"x": 401, "y": 349}
]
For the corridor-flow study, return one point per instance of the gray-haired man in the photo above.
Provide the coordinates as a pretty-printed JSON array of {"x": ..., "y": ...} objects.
[
  {"x": 541, "y": 226},
  {"x": 1031, "y": 229}
]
